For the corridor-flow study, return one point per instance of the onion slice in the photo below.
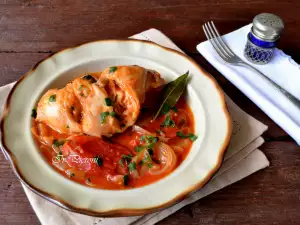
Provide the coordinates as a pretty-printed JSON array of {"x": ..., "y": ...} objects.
[
  {"x": 167, "y": 158},
  {"x": 142, "y": 131}
]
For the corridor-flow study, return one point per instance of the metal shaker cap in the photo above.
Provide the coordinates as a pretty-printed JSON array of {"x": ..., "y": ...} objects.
[{"x": 267, "y": 26}]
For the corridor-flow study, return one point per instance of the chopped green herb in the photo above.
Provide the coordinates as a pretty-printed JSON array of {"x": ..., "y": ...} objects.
[
  {"x": 149, "y": 140},
  {"x": 108, "y": 102},
  {"x": 126, "y": 179},
  {"x": 191, "y": 136},
  {"x": 81, "y": 94},
  {"x": 113, "y": 114},
  {"x": 150, "y": 151},
  {"x": 52, "y": 98},
  {"x": 125, "y": 158},
  {"x": 150, "y": 146},
  {"x": 103, "y": 116},
  {"x": 139, "y": 148},
  {"x": 98, "y": 160},
  {"x": 81, "y": 87},
  {"x": 150, "y": 165},
  {"x": 33, "y": 113},
  {"x": 168, "y": 122},
  {"x": 57, "y": 143},
  {"x": 174, "y": 108},
  {"x": 142, "y": 138},
  {"x": 180, "y": 134},
  {"x": 165, "y": 108},
  {"x": 72, "y": 108},
  {"x": 112, "y": 69},
  {"x": 59, "y": 156},
  {"x": 132, "y": 166},
  {"x": 90, "y": 78},
  {"x": 141, "y": 162}
]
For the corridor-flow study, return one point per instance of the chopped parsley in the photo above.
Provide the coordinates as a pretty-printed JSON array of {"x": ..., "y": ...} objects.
[
  {"x": 90, "y": 78},
  {"x": 191, "y": 136},
  {"x": 33, "y": 113},
  {"x": 103, "y": 116},
  {"x": 168, "y": 122},
  {"x": 147, "y": 160},
  {"x": 106, "y": 114},
  {"x": 126, "y": 180},
  {"x": 57, "y": 143},
  {"x": 139, "y": 148},
  {"x": 112, "y": 69},
  {"x": 108, "y": 102},
  {"x": 149, "y": 140},
  {"x": 166, "y": 108},
  {"x": 125, "y": 158},
  {"x": 98, "y": 160},
  {"x": 174, "y": 108},
  {"x": 81, "y": 87},
  {"x": 132, "y": 166},
  {"x": 59, "y": 156},
  {"x": 52, "y": 98},
  {"x": 113, "y": 114}
]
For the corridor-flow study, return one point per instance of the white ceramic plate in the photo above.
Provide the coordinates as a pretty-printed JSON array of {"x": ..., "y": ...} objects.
[{"x": 212, "y": 125}]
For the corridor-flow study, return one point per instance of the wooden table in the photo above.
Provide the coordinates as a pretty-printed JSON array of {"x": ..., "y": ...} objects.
[{"x": 31, "y": 29}]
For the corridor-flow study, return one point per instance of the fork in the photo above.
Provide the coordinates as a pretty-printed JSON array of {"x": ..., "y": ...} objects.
[{"x": 229, "y": 57}]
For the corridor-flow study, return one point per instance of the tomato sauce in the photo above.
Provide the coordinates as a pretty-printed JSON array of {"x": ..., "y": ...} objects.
[{"x": 141, "y": 155}]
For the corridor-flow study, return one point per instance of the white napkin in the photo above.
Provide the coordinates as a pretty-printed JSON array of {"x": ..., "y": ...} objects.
[
  {"x": 282, "y": 69},
  {"x": 242, "y": 159}
]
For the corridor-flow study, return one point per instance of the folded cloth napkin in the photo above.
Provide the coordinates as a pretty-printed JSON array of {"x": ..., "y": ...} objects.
[
  {"x": 282, "y": 69},
  {"x": 242, "y": 159}
]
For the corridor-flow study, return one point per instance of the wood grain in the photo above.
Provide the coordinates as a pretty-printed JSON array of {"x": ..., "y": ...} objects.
[{"x": 30, "y": 30}]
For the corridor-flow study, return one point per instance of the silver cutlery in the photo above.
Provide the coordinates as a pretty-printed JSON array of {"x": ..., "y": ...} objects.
[{"x": 229, "y": 57}]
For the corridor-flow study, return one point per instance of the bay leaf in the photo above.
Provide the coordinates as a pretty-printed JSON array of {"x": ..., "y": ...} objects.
[{"x": 172, "y": 93}]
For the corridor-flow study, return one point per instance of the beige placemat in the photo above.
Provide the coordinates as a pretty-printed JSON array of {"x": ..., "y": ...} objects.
[{"x": 242, "y": 159}]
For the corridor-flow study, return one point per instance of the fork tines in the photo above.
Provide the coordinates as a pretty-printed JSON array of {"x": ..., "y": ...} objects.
[{"x": 217, "y": 42}]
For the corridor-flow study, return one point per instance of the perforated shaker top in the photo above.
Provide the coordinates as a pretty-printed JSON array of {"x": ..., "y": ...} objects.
[{"x": 267, "y": 26}]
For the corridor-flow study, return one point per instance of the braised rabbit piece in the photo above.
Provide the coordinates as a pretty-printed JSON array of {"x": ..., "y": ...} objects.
[
  {"x": 127, "y": 87},
  {"x": 98, "y": 106}
]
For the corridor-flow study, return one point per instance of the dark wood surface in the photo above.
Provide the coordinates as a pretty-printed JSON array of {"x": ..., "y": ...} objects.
[{"x": 31, "y": 29}]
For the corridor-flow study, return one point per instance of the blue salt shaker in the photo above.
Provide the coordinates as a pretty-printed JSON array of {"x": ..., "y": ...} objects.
[{"x": 262, "y": 38}]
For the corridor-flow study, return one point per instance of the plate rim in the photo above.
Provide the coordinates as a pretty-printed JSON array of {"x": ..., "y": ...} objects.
[{"x": 118, "y": 212}]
